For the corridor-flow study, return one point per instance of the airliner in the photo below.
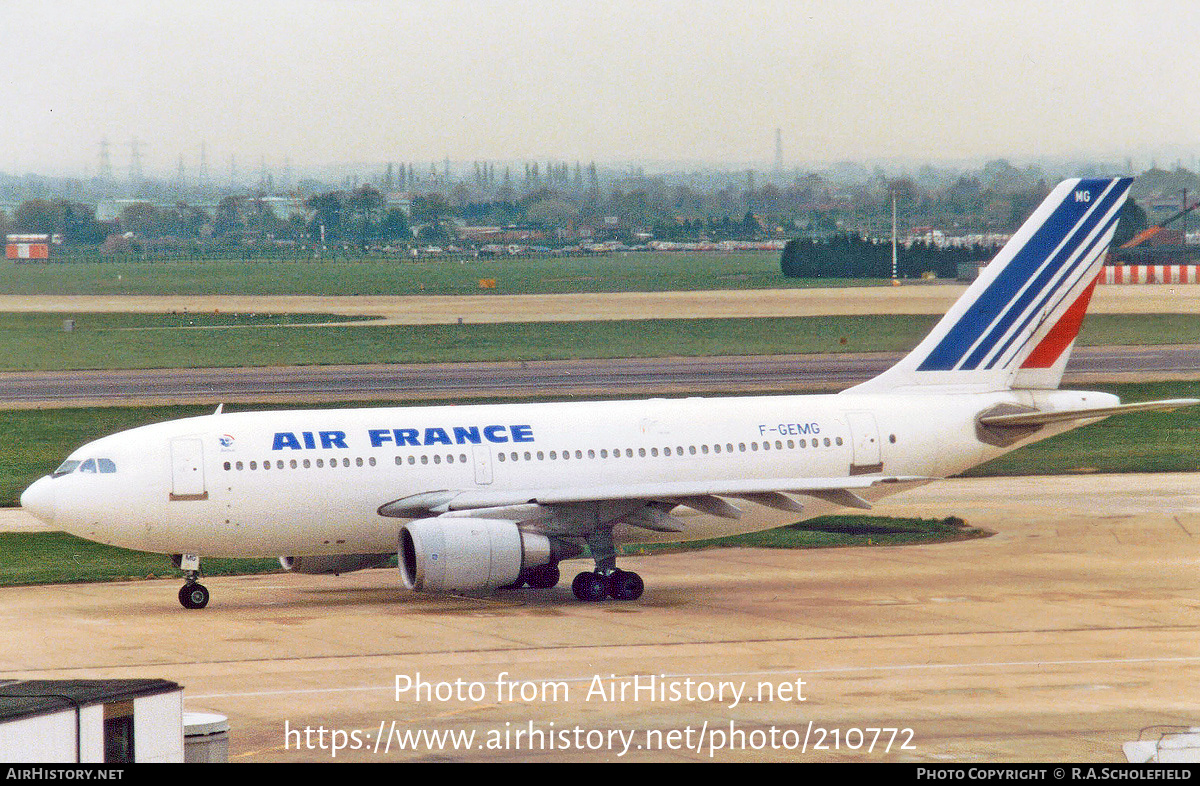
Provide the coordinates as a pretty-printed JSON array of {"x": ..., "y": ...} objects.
[{"x": 480, "y": 497}]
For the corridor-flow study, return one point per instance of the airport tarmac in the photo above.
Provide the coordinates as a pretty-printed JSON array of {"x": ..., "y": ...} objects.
[{"x": 1056, "y": 639}]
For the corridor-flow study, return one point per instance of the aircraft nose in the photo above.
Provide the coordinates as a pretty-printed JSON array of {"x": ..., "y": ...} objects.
[{"x": 38, "y": 499}]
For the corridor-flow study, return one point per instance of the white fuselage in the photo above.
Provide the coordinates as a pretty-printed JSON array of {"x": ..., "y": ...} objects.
[{"x": 310, "y": 482}]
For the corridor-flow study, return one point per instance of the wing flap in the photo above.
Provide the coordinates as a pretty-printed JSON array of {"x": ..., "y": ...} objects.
[{"x": 691, "y": 493}]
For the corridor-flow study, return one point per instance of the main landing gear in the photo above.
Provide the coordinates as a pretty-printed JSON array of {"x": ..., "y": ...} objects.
[
  {"x": 618, "y": 584},
  {"x": 607, "y": 580},
  {"x": 193, "y": 594}
]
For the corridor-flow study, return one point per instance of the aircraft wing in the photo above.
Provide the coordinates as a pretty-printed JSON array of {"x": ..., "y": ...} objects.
[
  {"x": 704, "y": 496},
  {"x": 1061, "y": 416}
]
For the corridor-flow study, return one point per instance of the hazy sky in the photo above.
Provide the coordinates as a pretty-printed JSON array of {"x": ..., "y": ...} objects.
[{"x": 353, "y": 80}]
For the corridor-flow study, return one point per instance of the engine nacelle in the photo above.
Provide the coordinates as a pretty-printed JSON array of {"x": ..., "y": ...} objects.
[
  {"x": 462, "y": 554},
  {"x": 336, "y": 564}
]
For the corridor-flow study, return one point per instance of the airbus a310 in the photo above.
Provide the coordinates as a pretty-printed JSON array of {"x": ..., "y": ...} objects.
[{"x": 478, "y": 497}]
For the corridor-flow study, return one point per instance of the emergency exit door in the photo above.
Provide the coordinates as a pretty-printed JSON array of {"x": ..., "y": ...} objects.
[{"x": 482, "y": 455}]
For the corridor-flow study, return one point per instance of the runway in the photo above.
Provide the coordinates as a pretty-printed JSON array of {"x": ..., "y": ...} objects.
[
  {"x": 645, "y": 376},
  {"x": 1055, "y": 640}
]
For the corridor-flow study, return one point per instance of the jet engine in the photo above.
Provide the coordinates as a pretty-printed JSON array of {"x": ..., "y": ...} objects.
[
  {"x": 462, "y": 554},
  {"x": 336, "y": 564}
]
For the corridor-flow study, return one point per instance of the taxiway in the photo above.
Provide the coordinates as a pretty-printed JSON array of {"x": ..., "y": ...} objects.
[{"x": 1056, "y": 639}]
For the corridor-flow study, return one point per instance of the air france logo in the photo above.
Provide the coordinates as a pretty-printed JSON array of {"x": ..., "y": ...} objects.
[
  {"x": 454, "y": 435},
  {"x": 226, "y": 441},
  {"x": 404, "y": 437}
]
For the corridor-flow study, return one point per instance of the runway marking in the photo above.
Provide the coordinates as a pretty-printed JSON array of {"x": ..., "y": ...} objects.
[{"x": 764, "y": 673}]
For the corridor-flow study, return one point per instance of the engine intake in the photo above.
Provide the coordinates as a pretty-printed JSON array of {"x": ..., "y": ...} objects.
[{"x": 462, "y": 554}]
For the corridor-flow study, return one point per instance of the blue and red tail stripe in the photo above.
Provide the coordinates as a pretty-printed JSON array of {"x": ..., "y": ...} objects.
[{"x": 1034, "y": 280}]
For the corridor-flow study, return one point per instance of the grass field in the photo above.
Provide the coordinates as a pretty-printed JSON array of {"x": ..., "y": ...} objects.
[
  {"x": 56, "y": 557},
  {"x": 36, "y": 342},
  {"x": 34, "y": 442},
  {"x": 619, "y": 272}
]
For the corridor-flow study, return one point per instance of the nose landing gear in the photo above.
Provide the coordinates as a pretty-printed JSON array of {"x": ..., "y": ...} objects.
[{"x": 193, "y": 594}]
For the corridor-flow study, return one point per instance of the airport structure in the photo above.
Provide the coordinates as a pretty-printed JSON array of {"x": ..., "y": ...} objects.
[
  {"x": 91, "y": 721},
  {"x": 24, "y": 247}
]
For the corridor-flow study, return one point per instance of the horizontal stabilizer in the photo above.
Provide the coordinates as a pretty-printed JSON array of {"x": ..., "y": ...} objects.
[{"x": 1025, "y": 419}]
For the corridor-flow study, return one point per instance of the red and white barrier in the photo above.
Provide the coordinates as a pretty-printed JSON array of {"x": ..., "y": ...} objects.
[
  {"x": 26, "y": 251},
  {"x": 1150, "y": 274}
]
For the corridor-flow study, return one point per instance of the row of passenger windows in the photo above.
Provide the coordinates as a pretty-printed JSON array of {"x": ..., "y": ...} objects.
[
  {"x": 553, "y": 455},
  {"x": 678, "y": 450}
]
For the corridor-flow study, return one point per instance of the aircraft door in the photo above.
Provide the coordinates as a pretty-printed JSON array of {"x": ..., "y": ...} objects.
[
  {"x": 864, "y": 443},
  {"x": 482, "y": 455},
  {"x": 187, "y": 469}
]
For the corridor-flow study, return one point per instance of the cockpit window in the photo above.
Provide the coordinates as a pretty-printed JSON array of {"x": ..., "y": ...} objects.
[
  {"x": 92, "y": 465},
  {"x": 66, "y": 468}
]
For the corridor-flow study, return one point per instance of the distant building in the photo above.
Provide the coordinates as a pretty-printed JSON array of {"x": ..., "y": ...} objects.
[{"x": 29, "y": 246}]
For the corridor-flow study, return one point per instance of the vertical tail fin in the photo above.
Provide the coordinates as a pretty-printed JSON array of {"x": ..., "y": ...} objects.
[{"x": 1015, "y": 325}]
